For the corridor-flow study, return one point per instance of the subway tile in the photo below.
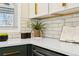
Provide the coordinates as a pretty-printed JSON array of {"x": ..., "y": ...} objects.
[
  {"x": 68, "y": 24},
  {"x": 72, "y": 19}
]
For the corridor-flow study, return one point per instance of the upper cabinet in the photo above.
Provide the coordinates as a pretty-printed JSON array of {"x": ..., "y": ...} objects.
[
  {"x": 31, "y": 10},
  {"x": 24, "y": 10},
  {"x": 43, "y": 10},
  {"x": 71, "y": 5},
  {"x": 38, "y": 9},
  {"x": 57, "y": 7}
]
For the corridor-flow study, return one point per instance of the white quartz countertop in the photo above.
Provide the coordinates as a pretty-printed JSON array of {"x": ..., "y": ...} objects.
[{"x": 51, "y": 44}]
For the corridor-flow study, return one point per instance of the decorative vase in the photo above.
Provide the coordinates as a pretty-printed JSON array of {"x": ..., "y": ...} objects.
[{"x": 36, "y": 33}]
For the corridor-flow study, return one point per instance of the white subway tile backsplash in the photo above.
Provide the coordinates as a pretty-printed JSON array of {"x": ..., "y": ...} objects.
[
  {"x": 10, "y": 35},
  {"x": 54, "y": 26},
  {"x": 16, "y": 35},
  {"x": 23, "y": 24}
]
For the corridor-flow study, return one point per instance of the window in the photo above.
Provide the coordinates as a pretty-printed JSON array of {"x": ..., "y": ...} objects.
[{"x": 8, "y": 16}]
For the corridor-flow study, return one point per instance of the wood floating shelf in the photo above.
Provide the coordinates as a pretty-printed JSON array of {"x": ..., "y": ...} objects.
[{"x": 60, "y": 13}]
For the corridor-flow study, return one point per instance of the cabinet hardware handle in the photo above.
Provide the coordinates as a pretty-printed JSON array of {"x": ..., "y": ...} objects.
[
  {"x": 10, "y": 53},
  {"x": 64, "y": 4},
  {"x": 36, "y": 8}
]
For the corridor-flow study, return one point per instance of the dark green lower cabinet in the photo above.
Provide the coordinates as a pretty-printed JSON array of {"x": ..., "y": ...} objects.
[
  {"x": 40, "y": 51},
  {"x": 20, "y": 50},
  {"x": 28, "y": 50}
]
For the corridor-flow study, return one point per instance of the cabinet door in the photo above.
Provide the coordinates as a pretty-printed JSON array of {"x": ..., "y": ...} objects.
[
  {"x": 14, "y": 51},
  {"x": 32, "y": 10},
  {"x": 42, "y": 9},
  {"x": 38, "y": 9},
  {"x": 40, "y": 51},
  {"x": 29, "y": 49},
  {"x": 55, "y": 7},
  {"x": 71, "y": 5},
  {"x": 24, "y": 10}
]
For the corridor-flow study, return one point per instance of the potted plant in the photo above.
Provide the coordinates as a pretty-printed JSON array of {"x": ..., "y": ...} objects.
[
  {"x": 37, "y": 28},
  {"x": 3, "y": 36}
]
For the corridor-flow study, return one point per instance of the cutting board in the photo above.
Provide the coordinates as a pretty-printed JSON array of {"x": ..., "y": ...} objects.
[{"x": 70, "y": 34}]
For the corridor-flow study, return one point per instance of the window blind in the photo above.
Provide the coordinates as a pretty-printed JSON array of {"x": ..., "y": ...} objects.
[{"x": 6, "y": 16}]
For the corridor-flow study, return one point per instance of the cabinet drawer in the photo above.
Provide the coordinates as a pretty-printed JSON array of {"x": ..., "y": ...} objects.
[
  {"x": 13, "y": 51},
  {"x": 46, "y": 52}
]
